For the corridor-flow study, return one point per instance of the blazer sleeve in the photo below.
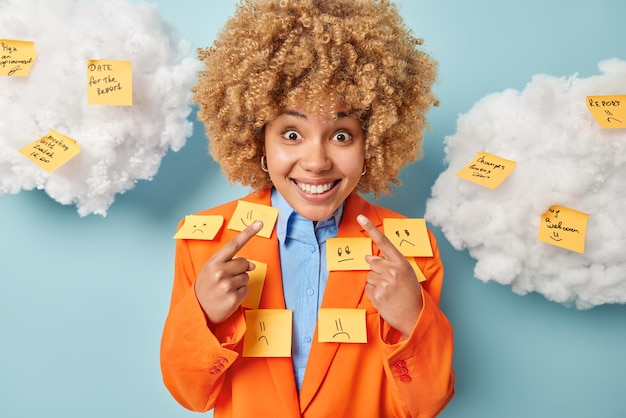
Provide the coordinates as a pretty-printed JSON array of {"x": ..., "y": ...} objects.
[
  {"x": 195, "y": 355},
  {"x": 420, "y": 368}
]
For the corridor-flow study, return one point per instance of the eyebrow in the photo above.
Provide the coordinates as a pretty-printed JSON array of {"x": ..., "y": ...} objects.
[{"x": 297, "y": 114}]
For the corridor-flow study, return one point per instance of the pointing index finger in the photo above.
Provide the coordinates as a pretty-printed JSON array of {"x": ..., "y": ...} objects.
[
  {"x": 388, "y": 249},
  {"x": 228, "y": 251}
]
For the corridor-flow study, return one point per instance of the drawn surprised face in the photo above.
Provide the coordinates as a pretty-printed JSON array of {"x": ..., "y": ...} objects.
[{"x": 342, "y": 257}]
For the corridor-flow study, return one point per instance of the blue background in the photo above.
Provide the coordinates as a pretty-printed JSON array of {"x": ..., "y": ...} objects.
[{"x": 83, "y": 300}]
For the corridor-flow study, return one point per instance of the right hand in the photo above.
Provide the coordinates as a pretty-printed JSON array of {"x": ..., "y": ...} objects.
[{"x": 222, "y": 283}]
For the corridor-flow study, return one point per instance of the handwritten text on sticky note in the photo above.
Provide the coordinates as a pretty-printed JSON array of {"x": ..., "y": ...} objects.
[
  {"x": 564, "y": 227},
  {"x": 348, "y": 253},
  {"x": 51, "y": 151},
  {"x": 201, "y": 227},
  {"x": 608, "y": 111},
  {"x": 110, "y": 82},
  {"x": 268, "y": 333},
  {"x": 409, "y": 236},
  {"x": 16, "y": 57},
  {"x": 487, "y": 170},
  {"x": 247, "y": 212},
  {"x": 341, "y": 326}
]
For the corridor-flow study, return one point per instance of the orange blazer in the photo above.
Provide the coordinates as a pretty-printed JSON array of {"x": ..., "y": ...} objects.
[{"x": 203, "y": 367}]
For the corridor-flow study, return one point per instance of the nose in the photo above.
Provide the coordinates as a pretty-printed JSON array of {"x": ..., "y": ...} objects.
[{"x": 316, "y": 157}]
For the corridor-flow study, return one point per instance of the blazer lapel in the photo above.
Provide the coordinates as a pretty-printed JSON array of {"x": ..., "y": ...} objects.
[{"x": 344, "y": 289}]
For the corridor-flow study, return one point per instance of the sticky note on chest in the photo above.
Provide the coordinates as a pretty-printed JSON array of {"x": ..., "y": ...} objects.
[
  {"x": 268, "y": 333},
  {"x": 342, "y": 326},
  {"x": 247, "y": 212},
  {"x": 348, "y": 253}
]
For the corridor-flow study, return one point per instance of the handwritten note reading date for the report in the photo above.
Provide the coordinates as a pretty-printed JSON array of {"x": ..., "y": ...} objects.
[{"x": 110, "y": 82}]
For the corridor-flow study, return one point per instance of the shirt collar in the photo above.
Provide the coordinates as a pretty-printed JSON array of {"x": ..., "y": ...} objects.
[{"x": 286, "y": 212}]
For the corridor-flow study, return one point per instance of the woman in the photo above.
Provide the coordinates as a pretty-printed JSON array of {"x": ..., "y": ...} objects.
[{"x": 309, "y": 102}]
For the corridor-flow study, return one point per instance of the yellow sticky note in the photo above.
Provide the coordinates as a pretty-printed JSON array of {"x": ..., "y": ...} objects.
[
  {"x": 608, "y": 111},
  {"x": 564, "y": 227},
  {"x": 51, "y": 151},
  {"x": 348, "y": 253},
  {"x": 341, "y": 326},
  {"x": 247, "y": 212},
  {"x": 16, "y": 57},
  {"x": 203, "y": 227},
  {"x": 409, "y": 236},
  {"x": 268, "y": 333},
  {"x": 416, "y": 269},
  {"x": 487, "y": 170},
  {"x": 110, "y": 82},
  {"x": 255, "y": 285}
]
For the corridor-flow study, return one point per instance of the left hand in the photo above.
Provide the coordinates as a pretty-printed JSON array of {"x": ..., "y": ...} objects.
[{"x": 392, "y": 286}]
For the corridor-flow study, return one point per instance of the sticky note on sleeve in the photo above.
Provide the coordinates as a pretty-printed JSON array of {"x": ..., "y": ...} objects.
[
  {"x": 409, "y": 236},
  {"x": 201, "y": 227},
  {"x": 16, "y": 57},
  {"x": 487, "y": 170},
  {"x": 52, "y": 151}
]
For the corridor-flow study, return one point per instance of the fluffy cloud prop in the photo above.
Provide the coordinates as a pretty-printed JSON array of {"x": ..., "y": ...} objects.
[
  {"x": 119, "y": 144},
  {"x": 563, "y": 158}
]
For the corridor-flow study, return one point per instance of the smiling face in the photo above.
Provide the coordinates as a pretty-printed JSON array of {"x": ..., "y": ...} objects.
[{"x": 313, "y": 161}]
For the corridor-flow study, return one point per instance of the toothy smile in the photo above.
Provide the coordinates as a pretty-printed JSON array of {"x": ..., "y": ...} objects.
[{"x": 315, "y": 188}]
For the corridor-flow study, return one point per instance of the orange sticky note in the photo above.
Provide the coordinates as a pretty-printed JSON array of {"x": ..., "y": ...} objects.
[
  {"x": 409, "y": 236},
  {"x": 416, "y": 269},
  {"x": 608, "y": 111},
  {"x": 16, "y": 57},
  {"x": 487, "y": 170},
  {"x": 203, "y": 227},
  {"x": 348, "y": 253},
  {"x": 51, "y": 151},
  {"x": 247, "y": 212},
  {"x": 256, "y": 280},
  {"x": 341, "y": 326},
  {"x": 110, "y": 82},
  {"x": 564, "y": 227},
  {"x": 268, "y": 333}
]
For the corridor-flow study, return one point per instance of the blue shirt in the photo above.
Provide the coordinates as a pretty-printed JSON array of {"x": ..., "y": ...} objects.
[{"x": 303, "y": 264}]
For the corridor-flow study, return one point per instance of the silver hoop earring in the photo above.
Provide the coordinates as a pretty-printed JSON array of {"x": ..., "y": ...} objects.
[{"x": 264, "y": 164}]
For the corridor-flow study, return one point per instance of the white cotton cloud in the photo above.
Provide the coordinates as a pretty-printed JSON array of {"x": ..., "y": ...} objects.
[
  {"x": 119, "y": 144},
  {"x": 563, "y": 158}
]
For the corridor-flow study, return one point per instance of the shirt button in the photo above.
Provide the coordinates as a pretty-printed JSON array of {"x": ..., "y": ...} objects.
[
  {"x": 310, "y": 292},
  {"x": 311, "y": 248},
  {"x": 307, "y": 339}
]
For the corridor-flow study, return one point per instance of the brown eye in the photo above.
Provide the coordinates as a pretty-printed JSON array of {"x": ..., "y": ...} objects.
[
  {"x": 342, "y": 136},
  {"x": 291, "y": 135}
]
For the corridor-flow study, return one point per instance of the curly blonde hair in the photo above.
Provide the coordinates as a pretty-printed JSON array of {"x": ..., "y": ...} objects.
[{"x": 353, "y": 53}]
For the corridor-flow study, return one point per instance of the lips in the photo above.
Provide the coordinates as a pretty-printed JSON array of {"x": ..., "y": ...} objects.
[{"x": 315, "y": 188}]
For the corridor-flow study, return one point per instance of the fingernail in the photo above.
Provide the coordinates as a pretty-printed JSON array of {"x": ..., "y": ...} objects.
[
  {"x": 361, "y": 219},
  {"x": 257, "y": 225}
]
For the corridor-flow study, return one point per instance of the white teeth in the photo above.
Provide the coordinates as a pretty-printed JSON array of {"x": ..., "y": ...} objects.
[{"x": 315, "y": 189}]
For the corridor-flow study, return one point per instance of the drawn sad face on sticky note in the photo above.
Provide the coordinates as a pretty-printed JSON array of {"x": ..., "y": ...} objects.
[
  {"x": 409, "y": 236},
  {"x": 348, "y": 253},
  {"x": 201, "y": 227}
]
